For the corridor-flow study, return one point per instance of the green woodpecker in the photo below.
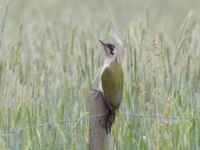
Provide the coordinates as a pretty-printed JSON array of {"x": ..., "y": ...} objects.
[{"x": 111, "y": 84}]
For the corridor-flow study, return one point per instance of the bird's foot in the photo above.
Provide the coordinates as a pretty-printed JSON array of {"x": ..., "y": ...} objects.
[{"x": 97, "y": 93}]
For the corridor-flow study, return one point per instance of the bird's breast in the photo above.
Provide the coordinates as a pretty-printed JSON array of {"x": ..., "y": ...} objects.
[{"x": 112, "y": 83}]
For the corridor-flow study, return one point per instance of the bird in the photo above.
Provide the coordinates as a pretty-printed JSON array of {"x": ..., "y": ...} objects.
[{"x": 112, "y": 81}]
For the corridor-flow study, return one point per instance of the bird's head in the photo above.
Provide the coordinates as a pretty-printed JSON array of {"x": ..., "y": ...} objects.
[{"x": 109, "y": 49}]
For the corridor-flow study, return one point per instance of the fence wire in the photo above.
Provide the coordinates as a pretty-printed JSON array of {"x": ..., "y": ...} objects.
[{"x": 89, "y": 117}]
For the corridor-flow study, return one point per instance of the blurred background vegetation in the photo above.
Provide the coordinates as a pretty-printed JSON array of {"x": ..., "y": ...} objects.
[
  {"x": 163, "y": 15},
  {"x": 50, "y": 58}
]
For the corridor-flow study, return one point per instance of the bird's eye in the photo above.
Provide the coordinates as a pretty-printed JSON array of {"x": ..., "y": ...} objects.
[
  {"x": 111, "y": 48},
  {"x": 112, "y": 51}
]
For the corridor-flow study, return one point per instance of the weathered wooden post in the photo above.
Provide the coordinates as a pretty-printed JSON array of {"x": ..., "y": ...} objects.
[{"x": 98, "y": 139}]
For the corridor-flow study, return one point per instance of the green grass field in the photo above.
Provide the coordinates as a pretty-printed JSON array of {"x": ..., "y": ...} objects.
[{"x": 50, "y": 58}]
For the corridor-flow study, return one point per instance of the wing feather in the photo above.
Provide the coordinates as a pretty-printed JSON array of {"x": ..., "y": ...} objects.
[{"x": 112, "y": 84}]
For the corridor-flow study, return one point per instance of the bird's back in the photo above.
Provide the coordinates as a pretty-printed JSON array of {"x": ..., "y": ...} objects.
[{"x": 112, "y": 83}]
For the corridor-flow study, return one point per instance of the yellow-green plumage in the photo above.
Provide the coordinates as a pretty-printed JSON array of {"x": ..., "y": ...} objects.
[{"x": 112, "y": 84}]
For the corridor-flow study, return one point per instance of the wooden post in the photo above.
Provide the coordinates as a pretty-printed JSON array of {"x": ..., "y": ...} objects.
[{"x": 98, "y": 139}]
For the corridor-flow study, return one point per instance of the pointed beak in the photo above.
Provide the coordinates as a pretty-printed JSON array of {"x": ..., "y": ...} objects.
[
  {"x": 104, "y": 47},
  {"x": 102, "y": 43}
]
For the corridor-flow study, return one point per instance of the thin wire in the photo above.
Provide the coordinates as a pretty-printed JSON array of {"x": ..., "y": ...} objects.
[
  {"x": 47, "y": 124},
  {"x": 162, "y": 117},
  {"x": 89, "y": 117}
]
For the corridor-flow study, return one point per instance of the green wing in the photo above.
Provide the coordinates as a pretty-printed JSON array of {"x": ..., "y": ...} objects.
[{"x": 112, "y": 84}]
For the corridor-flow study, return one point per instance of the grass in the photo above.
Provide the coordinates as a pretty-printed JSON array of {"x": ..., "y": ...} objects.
[{"x": 47, "y": 69}]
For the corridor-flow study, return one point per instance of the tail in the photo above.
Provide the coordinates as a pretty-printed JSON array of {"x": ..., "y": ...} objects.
[{"x": 110, "y": 119}]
